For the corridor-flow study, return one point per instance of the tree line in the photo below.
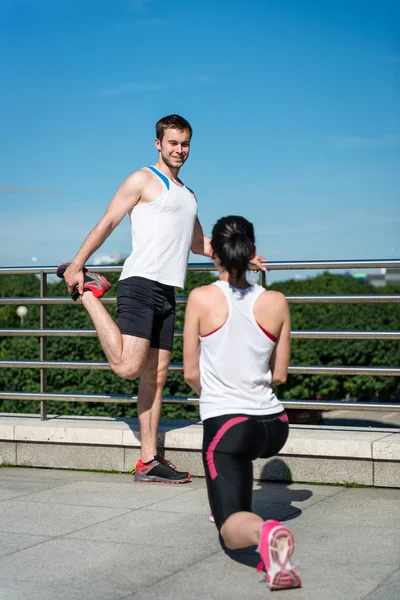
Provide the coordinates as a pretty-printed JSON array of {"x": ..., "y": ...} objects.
[{"x": 304, "y": 352}]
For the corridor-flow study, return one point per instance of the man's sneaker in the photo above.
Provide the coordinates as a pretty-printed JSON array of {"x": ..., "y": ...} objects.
[
  {"x": 93, "y": 282},
  {"x": 276, "y": 547},
  {"x": 159, "y": 470}
]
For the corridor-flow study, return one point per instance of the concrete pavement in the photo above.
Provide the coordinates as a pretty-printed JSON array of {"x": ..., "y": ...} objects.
[{"x": 67, "y": 535}]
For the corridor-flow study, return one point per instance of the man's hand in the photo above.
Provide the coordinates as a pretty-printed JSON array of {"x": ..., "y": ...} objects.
[
  {"x": 74, "y": 276},
  {"x": 257, "y": 262}
]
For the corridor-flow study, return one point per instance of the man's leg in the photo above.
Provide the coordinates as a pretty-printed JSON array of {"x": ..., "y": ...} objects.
[
  {"x": 152, "y": 467},
  {"x": 153, "y": 376},
  {"x": 125, "y": 353}
]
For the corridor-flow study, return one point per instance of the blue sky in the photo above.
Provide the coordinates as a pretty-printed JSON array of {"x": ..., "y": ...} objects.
[{"x": 294, "y": 106}]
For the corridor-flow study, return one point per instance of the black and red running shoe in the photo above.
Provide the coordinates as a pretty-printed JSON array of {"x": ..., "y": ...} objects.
[
  {"x": 94, "y": 282},
  {"x": 159, "y": 470}
]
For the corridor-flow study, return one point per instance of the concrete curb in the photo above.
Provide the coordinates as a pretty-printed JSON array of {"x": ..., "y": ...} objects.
[{"x": 312, "y": 453}]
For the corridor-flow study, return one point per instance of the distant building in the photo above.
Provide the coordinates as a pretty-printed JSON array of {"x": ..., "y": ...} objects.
[{"x": 385, "y": 276}]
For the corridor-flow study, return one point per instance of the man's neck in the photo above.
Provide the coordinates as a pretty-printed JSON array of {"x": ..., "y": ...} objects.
[{"x": 170, "y": 173}]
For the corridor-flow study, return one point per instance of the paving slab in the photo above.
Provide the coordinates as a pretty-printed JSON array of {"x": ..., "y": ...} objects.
[
  {"x": 388, "y": 590},
  {"x": 73, "y": 535},
  {"x": 50, "y": 519},
  {"x": 220, "y": 578},
  {"x": 160, "y": 529},
  {"x": 71, "y": 568},
  {"x": 104, "y": 493},
  {"x": 21, "y": 488},
  {"x": 13, "y": 542},
  {"x": 366, "y": 507}
]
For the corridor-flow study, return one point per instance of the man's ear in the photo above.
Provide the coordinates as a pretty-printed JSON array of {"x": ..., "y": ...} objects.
[{"x": 157, "y": 144}]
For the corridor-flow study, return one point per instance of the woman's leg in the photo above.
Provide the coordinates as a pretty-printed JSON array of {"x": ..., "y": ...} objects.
[{"x": 241, "y": 530}]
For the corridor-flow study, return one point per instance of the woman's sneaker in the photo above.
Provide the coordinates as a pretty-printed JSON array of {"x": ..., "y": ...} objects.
[
  {"x": 276, "y": 547},
  {"x": 93, "y": 282},
  {"x": 159, "y": 470}
]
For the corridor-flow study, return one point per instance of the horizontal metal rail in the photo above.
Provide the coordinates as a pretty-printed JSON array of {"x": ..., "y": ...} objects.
[
  {"x": 336, "y": 299},
  {"x": 209, "y": 266},
  {"x": 293, "y": 369},
  {"x": 302, "y": 334},
  {"x": 126, "y": 399},
  {"x": 43, "y": 332}
]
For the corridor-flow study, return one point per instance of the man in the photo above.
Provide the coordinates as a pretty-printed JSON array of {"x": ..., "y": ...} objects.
[{"x": 165, "y": 227}]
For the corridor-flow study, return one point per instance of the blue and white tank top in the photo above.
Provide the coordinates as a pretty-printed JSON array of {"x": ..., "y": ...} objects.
[{"x": 162, "y": 233}]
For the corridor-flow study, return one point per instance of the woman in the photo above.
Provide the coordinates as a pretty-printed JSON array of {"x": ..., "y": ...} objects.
[{"x": 236, "y": 346}]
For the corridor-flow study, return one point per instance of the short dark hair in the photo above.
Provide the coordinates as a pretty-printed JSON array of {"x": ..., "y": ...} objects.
[
  {"x": 233, "y": 240},
  {"x": 172, "y": 121}
]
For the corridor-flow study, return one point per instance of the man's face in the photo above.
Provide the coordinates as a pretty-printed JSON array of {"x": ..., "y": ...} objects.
[{"x": 174, "y": 147}]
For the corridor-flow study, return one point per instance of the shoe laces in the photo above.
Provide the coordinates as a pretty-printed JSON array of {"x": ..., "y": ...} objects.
[{"x": 166, "y": 463}]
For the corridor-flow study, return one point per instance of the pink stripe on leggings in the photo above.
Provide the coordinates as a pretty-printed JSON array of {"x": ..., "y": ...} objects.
[{"x": 217, "y": 438}]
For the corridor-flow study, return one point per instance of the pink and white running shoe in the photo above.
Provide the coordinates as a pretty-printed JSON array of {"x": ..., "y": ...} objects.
[
  {"x": 211, "y": 518},
  {"x": 276, "y": 547}
]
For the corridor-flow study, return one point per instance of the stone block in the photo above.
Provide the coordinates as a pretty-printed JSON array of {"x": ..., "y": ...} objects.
[
  {"x": 387, "y": 474},
  {"x": 319, "y": 470},
  {"x": 68, "y": 456},
  {"x": 6, "y": 431},
  {"x": 388, "y": 448},
  {"x": 8, "y": 453}
]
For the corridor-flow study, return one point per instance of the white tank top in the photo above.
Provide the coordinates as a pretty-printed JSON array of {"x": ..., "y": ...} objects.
[
  {"x": 162, "y": 233},
  {"x": 234, "y": 360}
]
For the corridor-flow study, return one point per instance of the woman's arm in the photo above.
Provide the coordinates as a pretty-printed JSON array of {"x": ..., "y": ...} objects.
[
  {"x": 281, "y": 354},
  {"x": 191, "y": 343}
]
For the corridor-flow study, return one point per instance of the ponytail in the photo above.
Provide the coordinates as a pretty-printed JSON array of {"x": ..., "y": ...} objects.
[{"x": 233, "y": 242}]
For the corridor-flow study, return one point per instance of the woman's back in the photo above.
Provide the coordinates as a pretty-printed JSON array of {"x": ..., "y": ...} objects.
[{"x": 236, "y": 349}]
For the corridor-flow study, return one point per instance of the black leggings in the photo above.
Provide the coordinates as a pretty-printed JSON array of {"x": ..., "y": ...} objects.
[{"x": 230, "y": 444}]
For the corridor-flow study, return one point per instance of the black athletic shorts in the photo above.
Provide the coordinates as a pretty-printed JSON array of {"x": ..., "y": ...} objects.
[
  {"x": 146, "y": 309},
  {"x": 230, "y": 444}
]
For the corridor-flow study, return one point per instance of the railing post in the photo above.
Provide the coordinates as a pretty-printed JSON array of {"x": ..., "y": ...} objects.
[
  {"x": 43, "y": 346},
  {"x": 262, "y": 280}
]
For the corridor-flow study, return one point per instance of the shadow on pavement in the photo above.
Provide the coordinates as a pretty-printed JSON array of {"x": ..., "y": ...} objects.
[{"x": 272, "y": 500}]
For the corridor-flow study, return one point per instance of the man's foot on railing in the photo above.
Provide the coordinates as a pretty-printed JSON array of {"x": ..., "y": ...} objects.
[
  {"x": 159, "y": 470},
  {"x": 93, "y": 282}
]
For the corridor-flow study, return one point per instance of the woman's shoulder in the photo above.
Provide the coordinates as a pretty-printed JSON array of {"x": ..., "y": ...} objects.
[
  {"x": 273, "y": 299},
  {"x": 204, "y": 294}
]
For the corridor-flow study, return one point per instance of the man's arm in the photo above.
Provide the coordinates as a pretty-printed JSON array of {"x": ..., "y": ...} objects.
[
  {"x": 201, "y": 244},
  {"x": 126, "y": 197}
]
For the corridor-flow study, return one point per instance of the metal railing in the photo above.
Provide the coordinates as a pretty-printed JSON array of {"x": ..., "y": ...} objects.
[{"x": 44, "y": 333}]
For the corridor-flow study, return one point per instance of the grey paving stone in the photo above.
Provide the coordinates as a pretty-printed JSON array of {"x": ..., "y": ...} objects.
[
  {"x": 343, "y": 545},
  {"x": 65, "y": 475},
  {"x": 12, "y": 542},
  {"x": 158, "y": 528},
  {"x": 388, "y": 590},
  {"x": 41, "y": 519},
  {"x": 70, "y": 568},
  {"x": 104, "y": 493},
  {"x": 220, "y": 578},
  {"x": 18, "y": 488},
  {"x": 369, "y": 508}
]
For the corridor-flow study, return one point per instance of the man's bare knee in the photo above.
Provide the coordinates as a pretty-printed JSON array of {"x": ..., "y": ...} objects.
[{"x": 126, "y": 371}]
